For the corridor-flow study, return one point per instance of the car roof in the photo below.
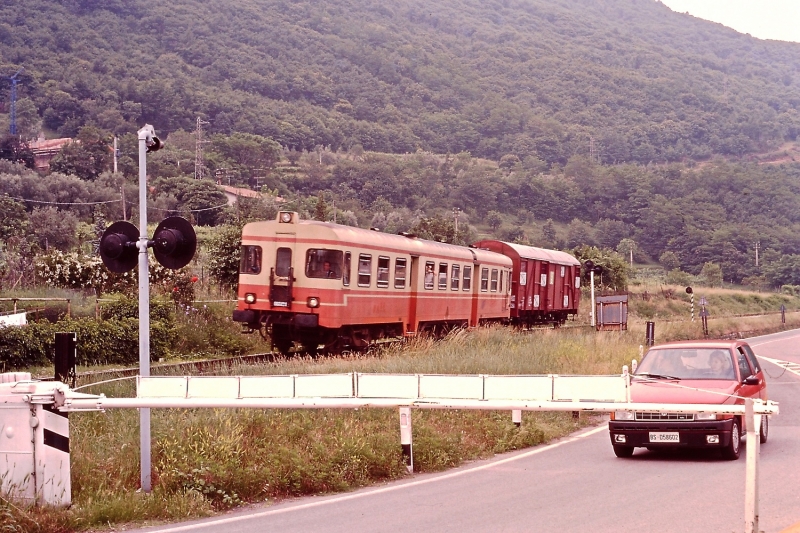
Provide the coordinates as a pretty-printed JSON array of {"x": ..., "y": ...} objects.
[{"x": 714, "y": 343}]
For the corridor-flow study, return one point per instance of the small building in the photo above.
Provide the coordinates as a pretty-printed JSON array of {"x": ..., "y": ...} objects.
[{"x": 44, "y": 150}]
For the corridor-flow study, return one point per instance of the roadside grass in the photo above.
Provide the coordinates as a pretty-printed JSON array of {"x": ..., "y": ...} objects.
[{"x": 208, "y": 460}]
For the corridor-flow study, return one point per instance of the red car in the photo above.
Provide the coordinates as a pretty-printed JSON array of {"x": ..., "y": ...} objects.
[{"x": 690, "y": 372}]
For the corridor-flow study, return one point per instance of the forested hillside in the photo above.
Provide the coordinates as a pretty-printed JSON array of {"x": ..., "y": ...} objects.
[
  {"x": 559, "y": 123},
  {"x": 533, "y": 78}
]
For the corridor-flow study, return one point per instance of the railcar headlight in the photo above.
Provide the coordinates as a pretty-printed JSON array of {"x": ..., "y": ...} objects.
[
  {"x": 705, "y": 416},
  {"x": 249, "y": 298},
  {"x": 312, "y": 302},
  {"x": 286, "y": 217},
  {"x": 623, "y": 415}
]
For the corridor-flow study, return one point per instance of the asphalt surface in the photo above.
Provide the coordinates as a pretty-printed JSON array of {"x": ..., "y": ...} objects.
[{"x": 573, "y": 485}]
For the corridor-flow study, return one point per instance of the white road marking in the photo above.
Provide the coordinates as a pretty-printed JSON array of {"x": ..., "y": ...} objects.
[
  {"x": 794, "y": 368},
  {"x": 392, "y": 488}
]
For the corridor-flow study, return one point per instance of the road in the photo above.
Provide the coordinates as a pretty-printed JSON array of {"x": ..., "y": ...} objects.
[{"x": 573, "y": 485}]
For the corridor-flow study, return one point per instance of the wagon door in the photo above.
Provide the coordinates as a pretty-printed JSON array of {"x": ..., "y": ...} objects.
[
  {"x": 540, "y": 288},
  {"x": 281, "y": 273},
  {"x": 411, "y": 326}
]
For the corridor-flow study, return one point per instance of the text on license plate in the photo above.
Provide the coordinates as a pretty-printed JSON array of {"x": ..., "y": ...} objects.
[{"x": 661, "y": 436}]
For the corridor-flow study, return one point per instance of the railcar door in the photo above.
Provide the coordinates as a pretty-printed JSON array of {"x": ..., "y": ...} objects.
[
  {"x": 411, "y": 327},
  {"x": 282, "y": 272}
]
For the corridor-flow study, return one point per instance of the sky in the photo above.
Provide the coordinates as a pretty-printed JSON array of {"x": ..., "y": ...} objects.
[{"x": 765, "y": 19}]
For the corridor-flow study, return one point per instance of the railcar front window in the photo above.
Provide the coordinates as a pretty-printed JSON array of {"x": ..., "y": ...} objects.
[
  {"x": 455, "y": 277},
  {"x": 494, "y": 280},
  {"x": 467, "y": 285},
  {"x": 251, "y": 260},
  {"x": 364, "y": 270},
  {"x": 324, "y": 263},
  {"x": 400, "y": 273},
  {"x": 283, "y": 262},
  {"x": 383, "y": 272},
  {"x": 484, "y": 279}
]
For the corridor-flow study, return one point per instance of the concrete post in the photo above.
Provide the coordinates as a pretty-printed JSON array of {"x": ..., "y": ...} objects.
[{"x": 405, "y": 438}]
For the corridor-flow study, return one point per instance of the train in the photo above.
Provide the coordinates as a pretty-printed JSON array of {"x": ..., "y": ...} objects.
[{"x": 313, "y": 286}]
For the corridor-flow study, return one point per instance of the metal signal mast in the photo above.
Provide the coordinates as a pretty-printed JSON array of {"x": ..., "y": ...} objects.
[{"x": 14, "y": 82}]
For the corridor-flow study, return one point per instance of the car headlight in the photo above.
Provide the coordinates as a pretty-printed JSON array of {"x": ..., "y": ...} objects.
[
  {"x": 705, "y": 416},
  {"x": 312, "y": 302},
  {"x": 249, "y": 298},
  {"x": 623, "y": 415}
]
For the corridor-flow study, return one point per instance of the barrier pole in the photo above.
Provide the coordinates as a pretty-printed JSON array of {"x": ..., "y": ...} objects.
[
  {"x": 753, "y": 423},
  {"x": 144, "y": 311},
  {"x": 405, "y": 438}
]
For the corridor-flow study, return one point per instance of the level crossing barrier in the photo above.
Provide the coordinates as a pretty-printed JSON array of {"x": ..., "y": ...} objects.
[{"x": 34, "y": 433}]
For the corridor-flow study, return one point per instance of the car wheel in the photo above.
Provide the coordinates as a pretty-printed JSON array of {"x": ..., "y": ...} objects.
[
  {"x": 732, "y": 450},
  {"x": 623, "y": 451},
  {"x": 764, "y": 429}
]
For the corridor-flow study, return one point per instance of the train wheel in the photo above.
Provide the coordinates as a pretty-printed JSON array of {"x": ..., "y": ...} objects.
[{"x": 281, "y": 340}]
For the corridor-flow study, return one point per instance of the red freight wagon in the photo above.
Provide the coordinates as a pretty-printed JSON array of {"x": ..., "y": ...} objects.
[
  {"x": 316, "y": 283},
  {"x": 545, "y": 284}
]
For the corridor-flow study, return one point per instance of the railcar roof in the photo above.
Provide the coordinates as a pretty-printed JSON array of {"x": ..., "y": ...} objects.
[
  {"x": 532, "y": 252},
  {"x": 360, "y": 236}
]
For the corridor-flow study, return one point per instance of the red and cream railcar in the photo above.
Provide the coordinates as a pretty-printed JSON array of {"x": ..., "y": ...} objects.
[
  {"x": 545, "y": 284},
  {"x": 316, "y": 283}
]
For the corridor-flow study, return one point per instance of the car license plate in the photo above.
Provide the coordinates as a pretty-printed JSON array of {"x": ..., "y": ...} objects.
[{"x": 660, "y": 436}]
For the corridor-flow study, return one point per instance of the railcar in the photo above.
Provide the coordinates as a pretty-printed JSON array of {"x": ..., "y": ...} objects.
[
  {"x": 545, "y": 284},
  {"x": 333, "y": 287}
]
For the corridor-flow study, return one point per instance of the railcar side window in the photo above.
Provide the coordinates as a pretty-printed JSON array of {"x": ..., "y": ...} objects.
[
  {"x": 494, "y": 280},
  {"x": 467, "y": 286},
  {"x": 364, "y": 270},
  {"x": 251, "y": 260},
  {"x": 429, "y": 265},
  {"x": 323, "y": 263},
  {"x": 383, "y": 271},
  {"x": 442, "y": 276},
  {"x": 283, "y": 261},
  {"x": 400, "y": 273},
  {"x": 484, "y": 279},
  {"x": 744, "y": 367},
  {"x": 346, "y": 269},
  {"x": 455, "y": 277}
]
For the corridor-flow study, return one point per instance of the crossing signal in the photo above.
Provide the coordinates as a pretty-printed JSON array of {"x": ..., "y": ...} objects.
[
  {"x": 174, "y": 244},
  {"x": 118, "y": 247}
]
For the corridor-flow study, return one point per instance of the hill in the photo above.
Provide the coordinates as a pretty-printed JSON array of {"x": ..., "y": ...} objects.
[{"x": 621, "y": 80}]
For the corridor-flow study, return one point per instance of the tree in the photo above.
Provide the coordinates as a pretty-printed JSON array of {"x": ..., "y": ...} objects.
[
  {"x": 88, "y": 157},
  {"x": 494, "y": 219},
  {"x": 549, "y": 234},
  {"x": 224, "y": 255},
  {"x": 13, "y": 219},
  {"x": 16, "y": 151},
  {"x": 669, "y": 260},
  {"x": 53, "y": 228},
  {"x": 711, "y": 274},
  {"x": 614, "y": 274},
  {"x": 321, "y": 209}
]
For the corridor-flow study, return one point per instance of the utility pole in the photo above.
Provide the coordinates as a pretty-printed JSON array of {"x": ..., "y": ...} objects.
[
  {"x": 591, "y": 149},
  {"x": 456, "y": 212},
  {"x": 14, "y": 82},
  {"x": 758, "y": 243},
  {"x": 198, "y": 150}
]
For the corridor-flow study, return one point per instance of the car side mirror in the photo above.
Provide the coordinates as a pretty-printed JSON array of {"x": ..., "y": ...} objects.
[{"x": 750, "y": 380}]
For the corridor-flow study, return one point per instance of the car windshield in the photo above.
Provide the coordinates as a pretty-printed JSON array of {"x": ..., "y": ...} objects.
[{"x": 687, "y": 363}]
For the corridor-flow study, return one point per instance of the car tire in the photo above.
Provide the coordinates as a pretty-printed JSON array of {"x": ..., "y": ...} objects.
[
  {"x": 764, "y": 434},
  {"x": 733, "y": 449},
  {"x": 623, "y": 451}
]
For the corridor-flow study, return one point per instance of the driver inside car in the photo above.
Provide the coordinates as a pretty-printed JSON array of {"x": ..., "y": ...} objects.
[{"x": 720, "y": 364}]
